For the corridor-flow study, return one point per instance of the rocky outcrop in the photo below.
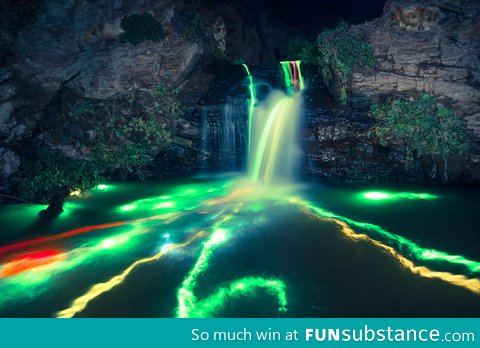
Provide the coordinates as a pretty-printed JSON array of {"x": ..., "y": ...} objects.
[
  {"x": 52, "y": 44},
  {"x": 252, "y": 33},
  {"x": 9, "y": 162},
  {"x": 425, "y": 46}
]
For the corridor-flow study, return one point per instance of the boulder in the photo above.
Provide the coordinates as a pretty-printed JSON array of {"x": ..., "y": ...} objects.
[{"x": 9, "y": 162}]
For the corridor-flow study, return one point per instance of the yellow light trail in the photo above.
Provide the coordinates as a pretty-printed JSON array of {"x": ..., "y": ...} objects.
[
  {"x": 471, "y": 284},
  {"x": 82, "y": 302}
]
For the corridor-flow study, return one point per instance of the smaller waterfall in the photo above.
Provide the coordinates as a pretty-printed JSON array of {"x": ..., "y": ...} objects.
[
  {"x": 228, "y": 141},
  {"x": 204, "y": 133},
  {"x": 231, "y": 134}
]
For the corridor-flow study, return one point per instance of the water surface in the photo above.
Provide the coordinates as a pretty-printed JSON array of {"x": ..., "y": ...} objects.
[{"x": 219, "y": 246}]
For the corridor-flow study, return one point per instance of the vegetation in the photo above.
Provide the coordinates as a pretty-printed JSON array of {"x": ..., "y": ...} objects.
[
  {"x": 194, "y": 28},
  {"x": 239, "y": 61},
  {"x": 424, "y": 127},
  {"x": 24, "y": 12},
  {"x": 117, "y": 139},
  {"x": 304, "y": 50},
  {"x": 140, "y": 27},
  {"x": 54, "y": 175},
  {"x": 340, "y": 50},
  {"x": 337, "y": 51}
]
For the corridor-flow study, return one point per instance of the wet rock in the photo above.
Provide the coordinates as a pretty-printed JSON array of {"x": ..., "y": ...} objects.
[
  {"x": 145, "y": 65},
  {"x": 9, "y": 162},
  {"x": 6, "y": 119},
  {"x": 219, "y": 33}
]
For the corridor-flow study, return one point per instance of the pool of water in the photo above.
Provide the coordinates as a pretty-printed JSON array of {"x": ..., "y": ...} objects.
[{"x": 219, "y": 246}]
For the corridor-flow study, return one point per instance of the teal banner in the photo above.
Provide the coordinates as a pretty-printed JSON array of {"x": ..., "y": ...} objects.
[{"x": 202, "y": 333}]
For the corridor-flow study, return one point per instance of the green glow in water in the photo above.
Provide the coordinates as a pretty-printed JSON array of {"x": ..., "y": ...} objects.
[
  {"x": 376, "y": 195},
  {"x": 128, "y": 207},
  {"x": 69, "y": 208},
  {"x": 188, "y": 303},
  {"x": 217, "y": 207},
  {"x": 244, "y": 287},
  {"x": 186, "y": 297},
  {"x": 34, "y": 282},
  {"x": 402, "y": 244},
  {"x": 384, "y": 195},
  {"x": 183, "y": 198}
]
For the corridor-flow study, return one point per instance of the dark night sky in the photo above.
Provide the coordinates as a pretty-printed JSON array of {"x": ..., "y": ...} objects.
[
  {"x": 309, "y": 16},
  {"x": 314, "y": 15}
]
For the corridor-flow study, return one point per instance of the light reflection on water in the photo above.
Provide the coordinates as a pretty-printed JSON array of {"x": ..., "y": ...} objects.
[{"x": 222, "y": 247}]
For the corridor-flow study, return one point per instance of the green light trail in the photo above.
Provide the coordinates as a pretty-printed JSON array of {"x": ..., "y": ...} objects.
[
  {"x": 292, "y": 76},
  {"x": 244, "y": 287},
  {"x": 27, "y": 285},
  {"x": 188, "y": 303},
  {"x": 402, "y": 244},
  {"x": 251, "y": 106}
]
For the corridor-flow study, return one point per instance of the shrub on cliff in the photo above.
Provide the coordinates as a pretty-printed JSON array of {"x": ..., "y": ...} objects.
[
  {"x": 139, "y": 27},
  {"x": 336, "y": 52},
  {"x": 115, "y": 138},
  {"x": 424, "y": 127},
  {"x": 339, "y": 51},
  {"x": 52, "y": 175},
  {"x": 306, "y": 51}
]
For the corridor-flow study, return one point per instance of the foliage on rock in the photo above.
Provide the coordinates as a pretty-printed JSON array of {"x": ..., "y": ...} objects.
[
  {"x": 336, "y": 52},
  {"x": 194, "y": 27},
  {"x": 304, "y": 50},
  {"x": 54, "y": 175},
  {"x": 339, "y": 51},
  {"x": 139, "y": 27},
  {"x": 116, "y": 138},
  {"x": 423, "y": 126}
]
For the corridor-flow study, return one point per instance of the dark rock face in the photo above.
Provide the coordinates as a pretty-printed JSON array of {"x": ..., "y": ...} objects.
[
  {"x": 339, "y": 144},
  {"x": 340, "y": 147}
]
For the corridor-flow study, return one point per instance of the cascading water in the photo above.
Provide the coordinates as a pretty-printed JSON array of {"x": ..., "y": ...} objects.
[
  {"x": 232, "y": 140},
  {"x": 204, "y": 139},
  {"x": 273, "y": 130}
]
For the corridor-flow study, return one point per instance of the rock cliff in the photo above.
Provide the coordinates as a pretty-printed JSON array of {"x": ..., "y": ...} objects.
[
  {"x": 425, "y": 46},
  {"x": 50, "y": 45}
]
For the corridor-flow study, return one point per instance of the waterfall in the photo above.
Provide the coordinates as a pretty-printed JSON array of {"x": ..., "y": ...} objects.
[
  {"x": 261, "y": 130},
  {"x": 274, "y": 125},
  {"x": 204, "y": 133},
  {"x": 228, "y": 140}
]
